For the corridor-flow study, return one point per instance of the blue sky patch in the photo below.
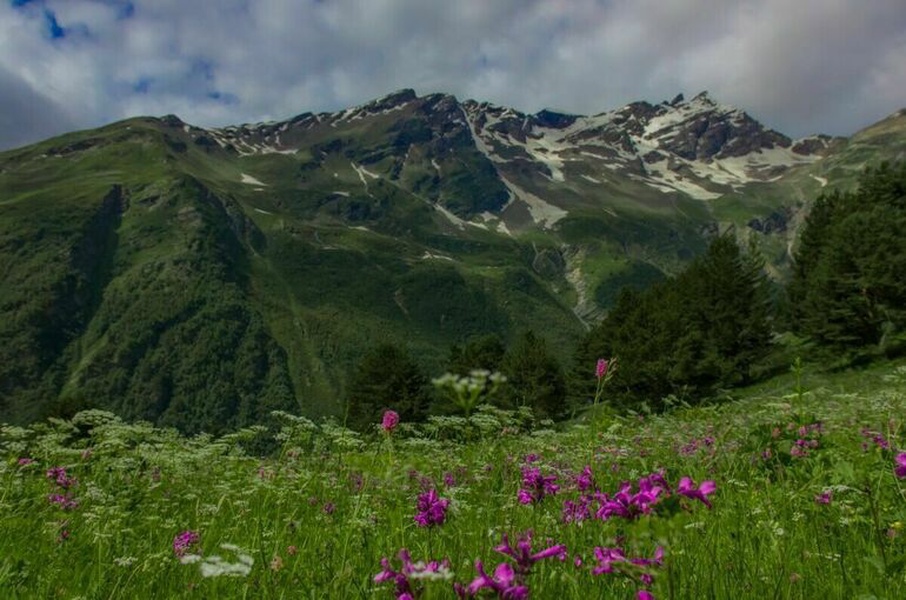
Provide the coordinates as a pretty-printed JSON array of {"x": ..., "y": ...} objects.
[
  {"x": 142, "y": 85},
  {"x": 53, "y": 26}
]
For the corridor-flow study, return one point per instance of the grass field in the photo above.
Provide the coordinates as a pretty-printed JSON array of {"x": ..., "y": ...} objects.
[{"x": 790, "y": 490}]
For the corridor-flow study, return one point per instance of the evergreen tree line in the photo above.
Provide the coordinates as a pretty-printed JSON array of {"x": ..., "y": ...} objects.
[
  {"x": 711, "y": 327},
  {"x": 686, "y": 335},
  {"x": 848, "y": 286}
]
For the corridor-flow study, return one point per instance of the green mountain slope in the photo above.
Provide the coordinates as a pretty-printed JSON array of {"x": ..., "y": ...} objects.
[{"x": 201, "y": 278}]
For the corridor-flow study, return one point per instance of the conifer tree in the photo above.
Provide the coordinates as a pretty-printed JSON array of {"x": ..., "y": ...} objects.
[
  {"x": 535, "y": 377},
  {"x": 386, "y": 378},
  {"x": 848, "y": 289}
]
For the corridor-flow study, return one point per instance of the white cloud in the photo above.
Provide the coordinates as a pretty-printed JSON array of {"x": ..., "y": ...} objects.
[{"x": 809, "y": 65}]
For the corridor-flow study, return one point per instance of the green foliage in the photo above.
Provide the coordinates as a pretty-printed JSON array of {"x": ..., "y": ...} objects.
[
  {"x": 386, "y": 379},
  {"x": 684, "y": 337},
  {"x": 535, "y": 378},
  {"x": 847, "y": 289},
  {"x": 479, "y": 352}
]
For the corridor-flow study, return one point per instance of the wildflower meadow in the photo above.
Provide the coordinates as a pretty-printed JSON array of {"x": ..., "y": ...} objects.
[{"x": 783, "y": 492}]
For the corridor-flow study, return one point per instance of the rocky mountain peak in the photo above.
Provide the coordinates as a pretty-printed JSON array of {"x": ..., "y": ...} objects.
[{"x": 392, "y": 100}]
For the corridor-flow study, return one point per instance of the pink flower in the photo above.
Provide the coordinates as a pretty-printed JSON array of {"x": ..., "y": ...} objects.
[
  {"x": 601, "y": 368},
  {"x": 824, "y": 497},
  {"x": 183, "y": 542},
  {"x": 390, "y": 420}
]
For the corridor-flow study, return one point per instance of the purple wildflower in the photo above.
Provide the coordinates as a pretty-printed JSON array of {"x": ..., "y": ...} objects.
[
  {"x": 584, "y": 480},
  {"x": 824, "y": 497},
  {"x": 606, "y": 558},
  {"x": 536, "y": 486},
  {"x": 25, "y": 461},
  {"x": 900, "y": 470},
  {"x": 407, "y": 579},
  {"x": 58, "y": 476},
  {"x": 504, "y": 582},
  {"x": 183, "y": 542},
  {"x": 630, "y": 505},
  {"x": 432, "y": 509},
  {"x": 66, "y": 502},
  {"x": 576, "y": 512},
  {"x": 686, "y": 487},
  {"x": 522, "y": 552},
  {"x": 614, "y": 560}
]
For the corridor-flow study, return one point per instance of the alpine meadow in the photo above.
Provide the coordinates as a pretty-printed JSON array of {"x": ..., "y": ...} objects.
[{"x": 428, "y": 348}]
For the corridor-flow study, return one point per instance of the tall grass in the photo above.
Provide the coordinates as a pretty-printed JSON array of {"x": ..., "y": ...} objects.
[{"x": 807, "y": 503}]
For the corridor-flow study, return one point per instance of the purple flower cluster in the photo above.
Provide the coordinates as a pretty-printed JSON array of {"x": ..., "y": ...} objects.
[
  {"x": 806, "y": 439},
  {"x": 184, "y": 542},
  {"x": 693, "y": 446},
  {"x": 585, "y": 480},
  {"x": 630, "y": 502},
  {"x": 803, "y": 438},
  {"x": 801, "y": 447},
  {"x": 879, "y": 440},
  {"x": 633, "y": 500},
  {"x": 408, "y": 580},
  {"x": 64, "y": 501},
  {"x": 432, "y": 509},
  {"x": 62, "y": 482},
  {"x": 536, "y": 486},
  {"x": 60, "y": 478}
]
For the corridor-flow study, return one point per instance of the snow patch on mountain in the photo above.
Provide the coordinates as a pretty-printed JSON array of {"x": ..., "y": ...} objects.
[
  {"x": 543, "y": 213},
  {"x": 248, "y": 179},
  {"x": 460, "y": 223}
]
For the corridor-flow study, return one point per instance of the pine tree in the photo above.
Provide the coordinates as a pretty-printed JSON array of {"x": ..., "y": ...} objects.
[
  {"x": 535, "y": 378},
  {"x": 386, "y": 378},
  {"x": 847, "y": 289},
  {"x": 480, "y": 352}
]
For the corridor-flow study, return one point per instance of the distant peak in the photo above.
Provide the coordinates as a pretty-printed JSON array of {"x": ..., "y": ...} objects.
[
  {"x": 703, "y": 96},
  {"x": 171, "y": 121},
  {"x": 554, "y": 119},
  {"x": 398, "y": 97}
]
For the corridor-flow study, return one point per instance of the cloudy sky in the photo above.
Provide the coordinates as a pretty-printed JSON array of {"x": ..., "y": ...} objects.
[{"x": 800, "y": 66}]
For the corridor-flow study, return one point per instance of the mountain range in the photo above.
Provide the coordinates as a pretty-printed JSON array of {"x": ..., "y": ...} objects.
[{"x": 201, "y": 277}]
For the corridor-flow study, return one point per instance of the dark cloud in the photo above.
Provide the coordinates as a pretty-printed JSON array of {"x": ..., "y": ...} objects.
[
  {"x": 801, "y": 67},
  {"x": 25, "y": 115}
]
